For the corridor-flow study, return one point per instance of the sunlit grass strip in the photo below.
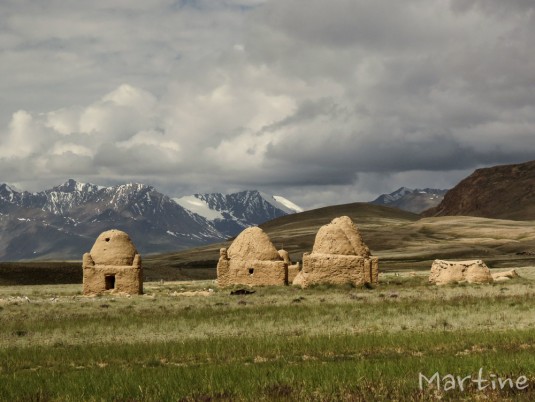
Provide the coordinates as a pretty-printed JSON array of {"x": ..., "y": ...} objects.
[
  {"x": 337, "y": 313},
  {"x": 321, "y": 367}
]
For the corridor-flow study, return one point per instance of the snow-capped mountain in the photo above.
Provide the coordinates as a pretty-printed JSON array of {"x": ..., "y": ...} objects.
[
  {"x": 231, "y": 213},
  {"x": 63, "y": 222},
  {"x": 412, "y": 200}
]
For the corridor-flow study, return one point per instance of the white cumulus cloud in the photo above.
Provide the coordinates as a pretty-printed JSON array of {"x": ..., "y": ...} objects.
[{"x": 341, "y": 99}]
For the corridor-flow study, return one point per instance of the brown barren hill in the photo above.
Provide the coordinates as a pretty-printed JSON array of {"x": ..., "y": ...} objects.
[{"x": 501, "y": 192}]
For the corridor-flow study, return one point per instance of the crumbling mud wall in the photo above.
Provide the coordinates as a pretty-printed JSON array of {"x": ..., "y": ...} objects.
[
  {"x": 470, "y": 271},
  {"x": 504, "y": 275},
  {"x": 293, "y": 269}
]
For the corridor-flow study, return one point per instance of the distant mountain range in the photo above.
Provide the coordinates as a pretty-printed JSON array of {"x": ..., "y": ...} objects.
[
  {"x": 502, "y": 192},
  {"x": 412, "y": 200},
  {"x": 64, "y": 221}
]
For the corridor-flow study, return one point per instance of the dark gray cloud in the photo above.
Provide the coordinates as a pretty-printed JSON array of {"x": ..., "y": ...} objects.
[
  {"x": 493, "y": 7},
  {"x": 342, "y": 99}
]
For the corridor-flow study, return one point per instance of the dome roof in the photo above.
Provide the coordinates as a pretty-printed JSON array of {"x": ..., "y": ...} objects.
[
  {"x": 341, "y": 237},
  {"x": 113, "y": 247},
  {"x": 253, "y": 244}
]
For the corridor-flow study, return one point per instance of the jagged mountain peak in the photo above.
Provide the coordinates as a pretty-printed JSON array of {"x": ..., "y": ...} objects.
[
  {"x": 140, "y": 194},
  {"x": 412, "y": 200},
  {"x": 8, "y": 194},
  {"x": 248, "y": 193},
  {"x": 133, "y": 187},
  {"x": 72, "y": 185},
  {"x": 402, "y": 190},
  {"x": 6, "y": 187},
  {"x": 231, "y": 213}
]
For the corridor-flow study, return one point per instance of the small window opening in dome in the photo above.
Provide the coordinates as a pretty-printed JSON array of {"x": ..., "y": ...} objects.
[
  {"x": 107, "y": 239},
  {"x": 251, "y": 271},
  {"x": 110, "y": 282}
]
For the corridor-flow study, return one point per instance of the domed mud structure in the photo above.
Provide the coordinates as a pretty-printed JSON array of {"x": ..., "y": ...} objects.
[
  {"x": 112, "y": 265},
  {"x": 251, "y": 260},
  {"x": 339, "y": 256}
]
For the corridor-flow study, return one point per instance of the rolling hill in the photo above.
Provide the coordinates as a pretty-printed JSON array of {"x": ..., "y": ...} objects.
[
  {"x": 501, "y": 192},
  {"x": 402, "y": 240}
]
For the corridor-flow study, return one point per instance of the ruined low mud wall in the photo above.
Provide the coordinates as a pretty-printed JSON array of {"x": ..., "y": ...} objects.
[
  {"x": 471, "y": 271},
  {"x": 337, "y": 269},
  {"x": 126, "y": 279},
  {"x": 251, "y": 273}
]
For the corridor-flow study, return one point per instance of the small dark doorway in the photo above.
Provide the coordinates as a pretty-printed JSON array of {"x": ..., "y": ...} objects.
[
  {"x": 251, "y": 271},
  {"x": 110, "y": 282}
]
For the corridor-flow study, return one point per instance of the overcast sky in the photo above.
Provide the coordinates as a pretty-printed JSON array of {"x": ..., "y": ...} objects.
[{"x": 321, "y": 101}]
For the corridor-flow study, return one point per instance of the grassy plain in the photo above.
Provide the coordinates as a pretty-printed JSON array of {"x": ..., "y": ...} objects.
[{"x": 181, "y": 341}]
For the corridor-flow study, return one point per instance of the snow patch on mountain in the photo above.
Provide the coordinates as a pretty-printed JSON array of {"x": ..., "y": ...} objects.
[
  {"x": 286, "y": 205},
  {"x": 198, "y": 206},
  {"x": 231, "y": 213}
]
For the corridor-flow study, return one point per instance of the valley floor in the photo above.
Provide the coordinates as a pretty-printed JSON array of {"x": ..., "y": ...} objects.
[{"x": 192, "y": 341}]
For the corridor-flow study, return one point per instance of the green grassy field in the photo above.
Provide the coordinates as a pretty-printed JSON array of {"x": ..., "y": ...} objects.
[
  {"x": 181, "y": 341},
  {"x": 190, "y": 341}
]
